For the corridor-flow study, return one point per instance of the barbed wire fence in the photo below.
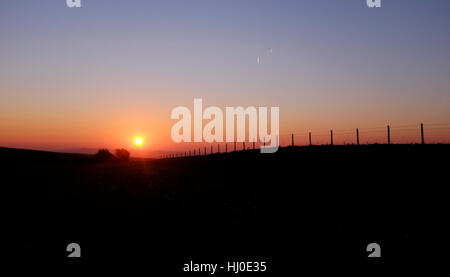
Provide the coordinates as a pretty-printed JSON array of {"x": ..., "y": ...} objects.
[{"x": 395, "y": 134}]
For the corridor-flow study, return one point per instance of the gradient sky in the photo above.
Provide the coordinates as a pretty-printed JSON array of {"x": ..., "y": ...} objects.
[{"x": 100, "y": 75}]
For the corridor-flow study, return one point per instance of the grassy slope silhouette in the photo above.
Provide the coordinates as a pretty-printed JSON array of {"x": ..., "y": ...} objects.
[{"x": 302, "y": 204}]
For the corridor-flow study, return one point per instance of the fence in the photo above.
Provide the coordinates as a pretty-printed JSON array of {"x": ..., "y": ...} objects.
[{"x": 400, "y": 134}]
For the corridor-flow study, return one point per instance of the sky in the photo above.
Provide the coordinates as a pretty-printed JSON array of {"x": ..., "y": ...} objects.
[{"x": 110, "y": 71}]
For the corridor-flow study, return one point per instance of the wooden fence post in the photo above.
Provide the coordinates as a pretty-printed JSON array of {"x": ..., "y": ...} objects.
[
  {"x": 357, "y": 136},
  {"x": 331, "y": 137},
  {"x": 421, "y": 133},
  {"x": 389, "y": 134}
]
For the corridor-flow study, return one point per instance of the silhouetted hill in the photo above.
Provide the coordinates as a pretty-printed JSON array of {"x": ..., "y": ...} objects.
[
  {"x": 301, "y": 205},
  {"x": 8, "y": 154}
]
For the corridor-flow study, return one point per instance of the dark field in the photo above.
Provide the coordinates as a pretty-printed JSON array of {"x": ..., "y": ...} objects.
[{"x": 295, "y": 209}]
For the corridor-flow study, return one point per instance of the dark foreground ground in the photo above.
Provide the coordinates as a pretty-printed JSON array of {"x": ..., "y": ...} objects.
[{"x": 303, "y": 207}]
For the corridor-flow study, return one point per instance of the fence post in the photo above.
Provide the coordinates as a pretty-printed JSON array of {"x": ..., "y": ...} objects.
[
  {"x": 226, "y": 147},
  {"x": 357, "y": 136},
  {"x": 264, "y": 142},
  {"x": 421, "y": 133},
  {"x": 331, "y": 137},
  {"x": 253, "y": 144},
  {"x": 235, "y": 146},
  {"x": 389, "y": 134},
  {"x": 310, "y": 139},
  {"x": 292, "y": 140}
]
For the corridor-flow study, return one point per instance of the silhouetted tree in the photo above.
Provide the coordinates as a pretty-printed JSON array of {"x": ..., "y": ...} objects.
[
  {"x": 122, "y": 154},
  {"x": 104, "y": 155}
]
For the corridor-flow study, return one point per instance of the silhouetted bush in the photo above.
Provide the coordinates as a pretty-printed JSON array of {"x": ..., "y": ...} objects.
[
  {"x": 122, "y": 154},
  {"x": 104, "y": 155}
]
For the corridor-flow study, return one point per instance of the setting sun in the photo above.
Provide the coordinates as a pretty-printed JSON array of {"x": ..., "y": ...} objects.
[{"x": 138, "y": 141}]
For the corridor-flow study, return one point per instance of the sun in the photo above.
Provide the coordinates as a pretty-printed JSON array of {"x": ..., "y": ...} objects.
[{"x": 139, "y": 141}]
